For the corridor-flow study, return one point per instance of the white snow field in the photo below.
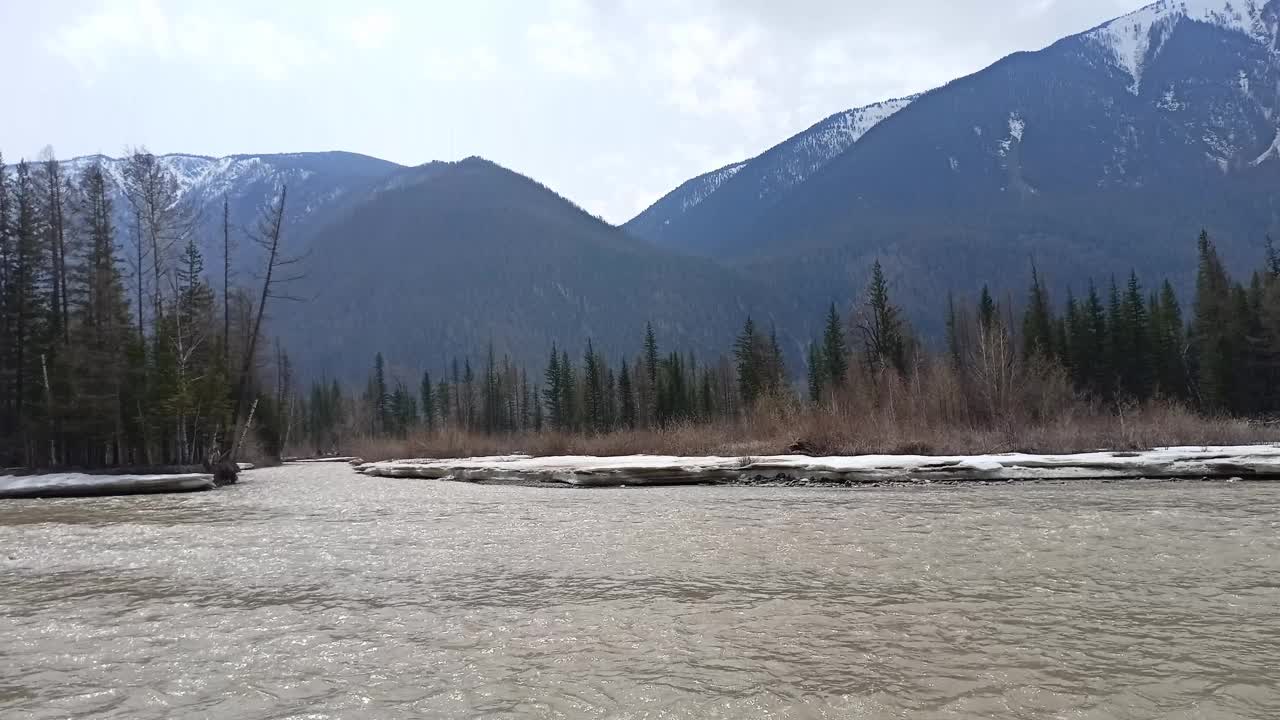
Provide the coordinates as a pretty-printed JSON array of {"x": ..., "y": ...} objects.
[
  {"x": 82, "y": 485},
  {"x": 1243, "y": 462}
]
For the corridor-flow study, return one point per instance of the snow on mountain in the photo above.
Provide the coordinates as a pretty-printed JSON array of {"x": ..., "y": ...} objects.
[
  {"x": 1134, "y": 39},
  {"x": 771, "y": 173},
  {"x": 707, "y": 184},
  {"x": 802, "y": 155}
]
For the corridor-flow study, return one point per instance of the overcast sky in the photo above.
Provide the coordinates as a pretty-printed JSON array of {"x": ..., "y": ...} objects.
[{"x": 610, "y": 102}]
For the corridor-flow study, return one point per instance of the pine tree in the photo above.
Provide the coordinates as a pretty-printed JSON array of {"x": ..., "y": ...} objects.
[
  {"x": 468, "y": 399},
  {"x": 649, "y": 388},
  {"x": 379, "y": 397},
  {"x": 1037, "y": 324},
  {"x": 593, "y": 390},
  {"x": 491, "y": 399},
  {"x": 553, "y": 391},
  {"x": 835, "y": 352},
  {"x": 816, "y": 373},
  {"x": 101, "y": 330},
  {"x": 747, "y": 353},
  {"x": 955, "y": 345},
  {"x": 626, "y": 398},
  {"x": 1136, "y": 362},
  {"x": 1168, "y": 343},
  {"x": 568, "y": 392},
  {"x": 1213, "y": 347},
  {"x": 427, "y": 392},
  {"x": 884, "y": 341},
  {"x": 1096, "y": 344},
  {"x": 987, "y": 314}
]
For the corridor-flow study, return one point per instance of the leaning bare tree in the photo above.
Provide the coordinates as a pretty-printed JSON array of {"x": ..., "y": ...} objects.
[{"x": 276, "y": 277}]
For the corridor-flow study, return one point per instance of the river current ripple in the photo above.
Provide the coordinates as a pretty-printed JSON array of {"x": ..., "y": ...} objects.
[{"x": 312, "y": 592}]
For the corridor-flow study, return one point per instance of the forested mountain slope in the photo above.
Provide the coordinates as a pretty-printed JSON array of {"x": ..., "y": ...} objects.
[
  {"x": 445, "y": 258},
  {"x": 1105, "y": 151}
]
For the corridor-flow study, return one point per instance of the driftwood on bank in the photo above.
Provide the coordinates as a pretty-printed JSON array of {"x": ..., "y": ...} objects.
[{"x": 1243, "y": 462}]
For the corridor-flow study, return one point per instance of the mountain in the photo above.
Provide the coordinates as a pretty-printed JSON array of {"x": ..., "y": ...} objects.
[
  {"x": 438, "y": 261},
  {"x": 317, "y": 182},
  {"x": 1107, "y": 150},
  {"x": 724, "y": 202}
]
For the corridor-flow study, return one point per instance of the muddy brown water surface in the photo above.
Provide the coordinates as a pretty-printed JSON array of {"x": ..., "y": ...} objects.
[{"x": 312, "y": 592}]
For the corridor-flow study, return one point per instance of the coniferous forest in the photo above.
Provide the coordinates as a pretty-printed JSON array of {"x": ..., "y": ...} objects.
[
  {"x": 125, "y": 346},
  {"x": 1113, "y": 364}
]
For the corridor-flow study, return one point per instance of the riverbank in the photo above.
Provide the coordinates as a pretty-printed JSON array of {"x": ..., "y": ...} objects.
[
  {"x": 1247, "y": 462},
  {"x": 21, "y": 483}
]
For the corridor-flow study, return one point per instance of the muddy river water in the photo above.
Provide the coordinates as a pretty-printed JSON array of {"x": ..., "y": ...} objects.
[{"x": 312, "y": 592}]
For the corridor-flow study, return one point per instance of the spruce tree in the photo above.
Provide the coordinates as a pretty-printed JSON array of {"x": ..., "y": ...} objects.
[
  {"x": 554, "y": 393},
  {"x": 1135, "y": 362},
  {"x": 379, "y": 397},
  {"x": 835, "y": 352},
  {"x": 1037, "y": 324},
  {"x": 649, "y": 394},
  {"x": 816, "y": 373},
  {"x": 427, "y": 392},
  {"x": 1215, "y": 356},
  {"x": 987, "y": 315},
  {"x": 955, "y": 349},
  {"x": 1096, "y": 344},
  {"x": 1168, "y": 343},
  {"x": 884, "y": 341},
  {"x": 626, "y": 398},
  {"x": 747, "y": 354},
  {"x": 568, "y": 393},
  {"x": 593, "y": 390}
]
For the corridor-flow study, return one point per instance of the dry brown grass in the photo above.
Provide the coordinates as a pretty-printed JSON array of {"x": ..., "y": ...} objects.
[
  {"x": 1000, "y": 406},
  {"x": 776, "y": 427}
]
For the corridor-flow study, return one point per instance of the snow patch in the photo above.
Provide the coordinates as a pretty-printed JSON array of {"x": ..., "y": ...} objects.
[
  {"x": 708, "y": 184},
  {"x": 1017, "y": 126},
  {"x": 1176, "y": 462},
  {"x": 1169, "y": 102},
  {"x": 1271, "y": 152},
  {"x": 806, "y": 153},
  {"x": 1132, "y": 40},
  {"x": 82, "y": 485}
]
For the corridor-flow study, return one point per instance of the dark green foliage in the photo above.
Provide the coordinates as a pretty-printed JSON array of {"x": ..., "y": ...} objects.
[
  {"x": 626, "y": 398},
  {"x": 1038, "y": 323},
  {"x": 816, "y": 373},
  {"x": 835, "y": 352},
  {"x": 884, "y": 338}
]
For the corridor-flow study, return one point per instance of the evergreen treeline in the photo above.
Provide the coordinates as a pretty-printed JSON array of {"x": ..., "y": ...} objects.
[
  {"x": 1119, "y": 345},
  {"x": 115, "y": 348}
]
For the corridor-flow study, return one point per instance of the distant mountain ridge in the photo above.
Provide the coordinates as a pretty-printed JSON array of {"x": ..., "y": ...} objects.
[
  {"x": 1107, "y": 150},
  {"x": 750, "y": 185}
]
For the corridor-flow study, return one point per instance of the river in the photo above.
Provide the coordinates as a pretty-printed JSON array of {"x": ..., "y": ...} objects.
[{"x": 312, "y": 592}]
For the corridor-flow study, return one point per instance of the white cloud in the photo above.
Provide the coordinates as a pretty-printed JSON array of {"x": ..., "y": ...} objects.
[
  {"x": 453, "y": 65},
  {"x": 142, "y": 29},
  {"x": 570, "y": 48},
  {"x": 370, "y": 31}
]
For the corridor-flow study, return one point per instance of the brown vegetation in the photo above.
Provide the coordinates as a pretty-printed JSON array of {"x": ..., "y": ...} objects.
[{"x": 928, "y": 413}]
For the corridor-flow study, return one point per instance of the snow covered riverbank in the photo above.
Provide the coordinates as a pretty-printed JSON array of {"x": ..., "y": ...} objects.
[
  {"x": 1249, "y": 462},
  {"x": 84, "y": 485}
]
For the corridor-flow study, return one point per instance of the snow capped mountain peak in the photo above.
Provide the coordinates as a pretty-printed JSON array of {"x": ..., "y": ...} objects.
[
  {"x": 768, "y": 176},
  {"x": 804, "y": 154},
  {"x": 1134, "y": 38}
]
